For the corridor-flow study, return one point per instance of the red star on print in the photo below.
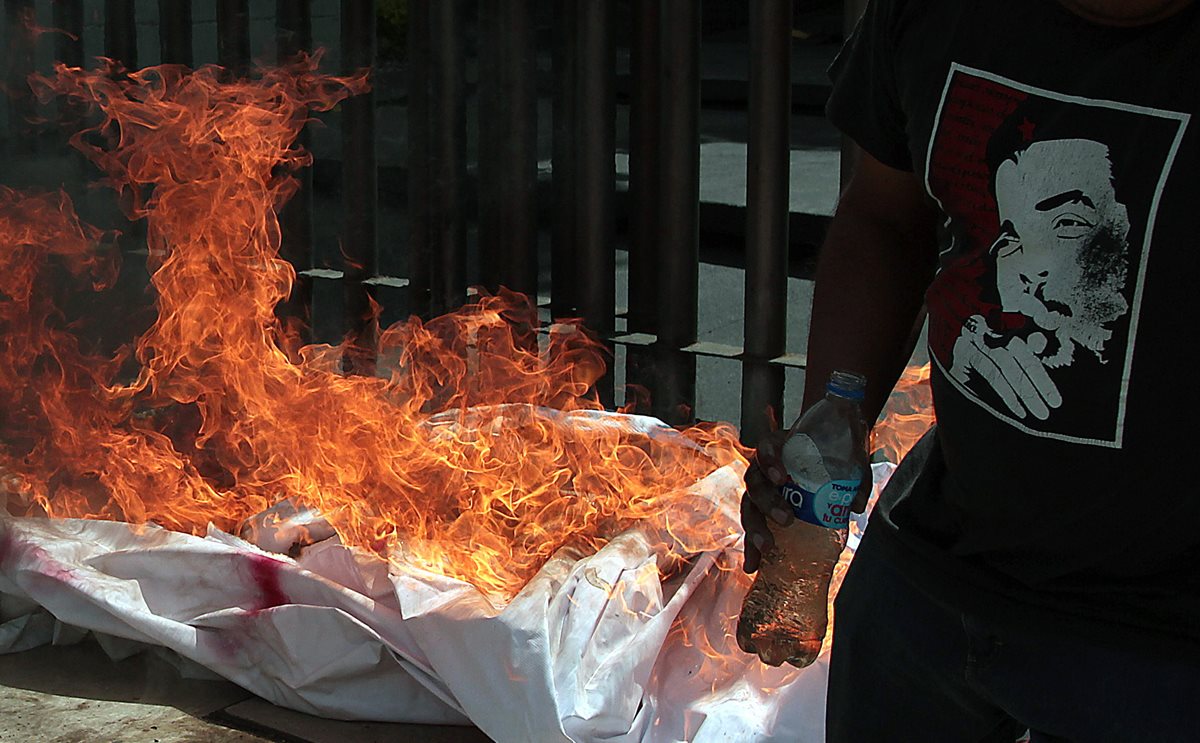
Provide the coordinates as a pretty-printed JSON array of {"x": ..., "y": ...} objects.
[{"x": 1026, "y": 128}]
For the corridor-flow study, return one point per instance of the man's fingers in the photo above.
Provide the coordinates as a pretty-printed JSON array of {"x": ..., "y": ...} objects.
[
  {"x": 765, "y": 497},
  {"x": 759, "y": 539},
  {"x": 1017, "y": 376},
  {"x": 1036, "y": 371},
  {"x": 768, "y": 457},
  {"x": 985, "y": 363}
]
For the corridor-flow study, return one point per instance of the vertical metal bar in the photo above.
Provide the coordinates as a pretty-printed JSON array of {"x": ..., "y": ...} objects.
[
  {"x": 359, "y": 181},
  {"x": 175, "y": 32},
  {"x": 449, "y": 148},
  {"x": 519, "y": 162},
  {"x": 645, "y": 71},
  {"x": 767, "y": 180},
  {"x": 68, "y": 49},
  {"x": 420, "y": 246},
  {"x": 508, "y": 146},
  {"x": 120, "y": 32},
  {"x": 596, "y": 174},
  {"x": 68, "y": 45},
  {"x": 293, "y": 28},
  {"x": 20, "y": 30},
  {"x": 562, "y": 245},
  {"x": 679, "y": 209},
  {"x": 233, "y": 36},
  {"x": 492, "y": 139}
]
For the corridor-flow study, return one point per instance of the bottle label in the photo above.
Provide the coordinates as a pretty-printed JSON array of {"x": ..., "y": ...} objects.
[{"x": 828, "y": 506}]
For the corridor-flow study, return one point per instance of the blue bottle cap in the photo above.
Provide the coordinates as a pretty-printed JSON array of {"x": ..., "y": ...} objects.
[{"x": 847, "y": 384}]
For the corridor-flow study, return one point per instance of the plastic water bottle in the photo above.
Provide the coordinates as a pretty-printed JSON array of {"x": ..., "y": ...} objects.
[{"x": 784, "y": 615}]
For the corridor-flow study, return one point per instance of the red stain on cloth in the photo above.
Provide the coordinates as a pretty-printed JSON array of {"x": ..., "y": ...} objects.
[{"x": 265, "y": 572}]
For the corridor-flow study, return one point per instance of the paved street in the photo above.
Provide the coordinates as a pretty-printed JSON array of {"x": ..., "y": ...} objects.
[{"x": 77, "y": 694}]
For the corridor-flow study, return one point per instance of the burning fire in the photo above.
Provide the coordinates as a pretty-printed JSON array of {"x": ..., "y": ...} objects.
[
  {"x": 478, "y": 457},
  {"x": 906, "y": 417},
  {"x": 460, "y": 459}
]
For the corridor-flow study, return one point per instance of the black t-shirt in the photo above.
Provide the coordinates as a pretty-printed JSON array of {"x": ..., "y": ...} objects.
[{"x": 1063, "y": 157}]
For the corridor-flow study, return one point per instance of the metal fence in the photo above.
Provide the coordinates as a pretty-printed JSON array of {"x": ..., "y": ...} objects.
[{"x": 664, "y": 149}]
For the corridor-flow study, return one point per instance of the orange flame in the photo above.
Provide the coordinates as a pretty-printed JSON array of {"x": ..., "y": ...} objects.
[
  {"x": 907, "y": 415},
  {"x": 710, "y": 639},
  {"x": 460, "y": 460}
]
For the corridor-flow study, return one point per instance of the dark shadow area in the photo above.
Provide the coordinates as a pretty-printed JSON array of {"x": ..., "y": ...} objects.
[{"x": 85, "y": 671}]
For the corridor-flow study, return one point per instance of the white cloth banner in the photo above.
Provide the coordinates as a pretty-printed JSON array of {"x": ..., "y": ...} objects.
[{"x": 593, "y": 648}]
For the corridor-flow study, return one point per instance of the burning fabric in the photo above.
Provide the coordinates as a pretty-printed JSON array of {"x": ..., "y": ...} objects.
[
  {"x": 469, "y": 539},
  {"x": 602, "y": 646}
]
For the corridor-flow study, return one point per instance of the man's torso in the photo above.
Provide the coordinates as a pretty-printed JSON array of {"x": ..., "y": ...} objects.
[{"x": 1064, "y": 157}]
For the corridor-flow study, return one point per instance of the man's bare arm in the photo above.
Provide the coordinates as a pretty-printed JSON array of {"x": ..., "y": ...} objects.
[{"x": 879, "y": 256}]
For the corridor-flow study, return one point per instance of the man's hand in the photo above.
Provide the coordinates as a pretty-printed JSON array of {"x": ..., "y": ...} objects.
[
  {"x": 762, "y": 500},
  {"x": 763, "y": 504},
  {"x": 1014, "y": 371}
]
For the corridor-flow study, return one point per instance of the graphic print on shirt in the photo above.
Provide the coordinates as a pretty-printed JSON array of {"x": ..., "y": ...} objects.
[{"x": 1051, "y": 201}]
